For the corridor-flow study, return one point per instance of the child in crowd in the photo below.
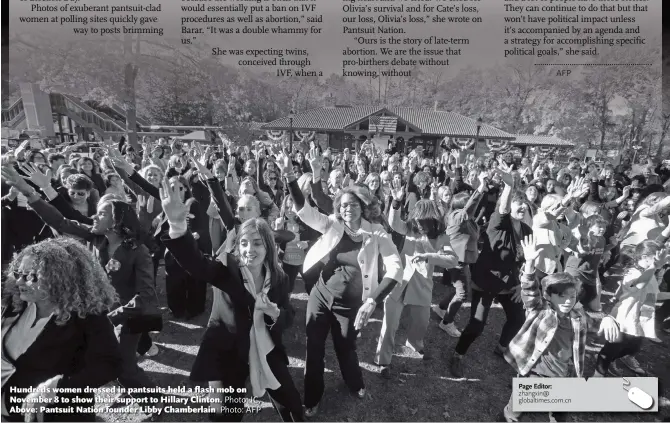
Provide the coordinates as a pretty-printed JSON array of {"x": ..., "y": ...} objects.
[{"x": 552, "y": 340}]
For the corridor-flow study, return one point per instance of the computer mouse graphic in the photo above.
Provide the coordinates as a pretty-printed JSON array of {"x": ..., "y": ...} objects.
[{"x": 640, "y": 398}]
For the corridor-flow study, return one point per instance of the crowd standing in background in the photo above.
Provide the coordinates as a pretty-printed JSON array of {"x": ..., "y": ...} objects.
[{"x": 364, "y": 229}]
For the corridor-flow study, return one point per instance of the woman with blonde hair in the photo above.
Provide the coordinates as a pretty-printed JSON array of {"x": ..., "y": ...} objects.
[{"x": 348, "y": 290}]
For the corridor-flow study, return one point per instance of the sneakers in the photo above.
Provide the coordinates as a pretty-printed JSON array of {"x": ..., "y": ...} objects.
[
  {"x": 386, "y": 372},
  {"x": 152, "y": 352},
  {"x": 361, "y": 394},
  {"x": 456, "y": 365},
  {"x": 450, "y": 329},
  {"x": 311, "y": 412},
  {"x": 630, "y": 362},
  {"x": 437, "y": 310}
]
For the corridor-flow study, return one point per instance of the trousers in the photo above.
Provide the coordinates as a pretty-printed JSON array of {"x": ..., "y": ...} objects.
[
  {"x": 419, "y": 317},
  {"x": 324, "y": 316},
  {"x": 479, "y": 312}
]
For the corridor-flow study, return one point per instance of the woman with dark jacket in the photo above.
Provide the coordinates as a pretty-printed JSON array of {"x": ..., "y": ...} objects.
[
  {"x": 114, "y": 238},
  {"x": 55, "y": 330},
  {"x": 244, "y": 335},
  {"x": 496, "y": 274}
]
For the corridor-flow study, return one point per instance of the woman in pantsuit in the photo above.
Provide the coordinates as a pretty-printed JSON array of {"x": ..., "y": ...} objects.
[
  {"x": 348, "y": 290},
  {"x": 244, "y": 334}
]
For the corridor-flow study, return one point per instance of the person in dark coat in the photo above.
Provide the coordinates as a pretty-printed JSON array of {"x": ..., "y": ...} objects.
[
  {"x": 55, "y": 329},
  {"x": 244, "y": 334}
]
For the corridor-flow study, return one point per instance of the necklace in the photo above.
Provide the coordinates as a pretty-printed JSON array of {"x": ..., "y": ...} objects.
[{"x": 355, "y": 236}]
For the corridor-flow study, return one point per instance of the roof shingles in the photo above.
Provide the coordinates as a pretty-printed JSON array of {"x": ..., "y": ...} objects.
[{"x": 430, "y": 122}]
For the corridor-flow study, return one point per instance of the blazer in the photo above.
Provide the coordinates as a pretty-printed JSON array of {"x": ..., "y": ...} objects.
[
  {"x": 223, "y": 336},
  {"x": 420, "y": 292},
  {"x": 498, "y": 264},
  {"x": 133, "y": 281},
  {"x": 84, "y": 350},
  {"x": 376, "y": 241}
]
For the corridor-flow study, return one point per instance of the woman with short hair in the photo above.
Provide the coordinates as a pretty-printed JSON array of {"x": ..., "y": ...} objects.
[{"x": 348, "y": 289}]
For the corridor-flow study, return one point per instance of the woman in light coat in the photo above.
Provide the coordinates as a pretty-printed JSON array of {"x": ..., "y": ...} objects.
[{"x": 348, "y": 290}]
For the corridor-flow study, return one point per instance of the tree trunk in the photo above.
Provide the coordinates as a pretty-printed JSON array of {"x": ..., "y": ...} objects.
[
  {"x": 659, "y": 150},
  {"x": 129, "y": 95}
]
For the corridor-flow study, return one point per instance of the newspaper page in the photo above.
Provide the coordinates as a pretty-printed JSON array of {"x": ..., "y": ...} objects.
[{"x": 195, "y": 193}]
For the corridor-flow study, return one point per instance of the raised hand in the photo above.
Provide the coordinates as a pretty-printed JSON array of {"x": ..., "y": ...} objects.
[
  {"x": 36, "y": 176},
  {"x": 12, "y": 178},
  {"x": 200, "y": 166},
  {"x": 626, "y": 191},
  {"x": 530, "y": 250},
  {"x": 314, "y": 161},
  {"x": 397, "y": 190},
  {"x": 284, "y": 162},
  {"x": 122, "y": 164},
  {"x": 174, "y": 208}
]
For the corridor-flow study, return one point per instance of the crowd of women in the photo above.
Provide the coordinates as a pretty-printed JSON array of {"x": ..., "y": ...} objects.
[{"x": 83, "y": 238}]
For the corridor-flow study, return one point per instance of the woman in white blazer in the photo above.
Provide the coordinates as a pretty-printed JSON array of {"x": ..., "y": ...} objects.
[{"x": 348, "y": 290}]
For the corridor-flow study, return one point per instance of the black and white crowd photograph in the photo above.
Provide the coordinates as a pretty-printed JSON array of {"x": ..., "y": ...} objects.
[{"x": 184, "y": 240}]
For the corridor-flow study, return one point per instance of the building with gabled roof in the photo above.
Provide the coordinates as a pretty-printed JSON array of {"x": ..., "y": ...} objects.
[{"x": 341, "y": 127}]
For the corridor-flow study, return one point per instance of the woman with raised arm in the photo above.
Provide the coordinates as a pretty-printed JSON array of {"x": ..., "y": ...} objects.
[
  {"x": 348, "y": 290},
  {"x": 114, "y": 238},
  {"x": 244, "y": 334},
  {"x": 425, "y": 246},
  {"x": 496, "y": 273}
]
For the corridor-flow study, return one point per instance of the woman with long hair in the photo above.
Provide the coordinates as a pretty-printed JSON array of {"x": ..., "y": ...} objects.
[
  {"x": 425, "y": 246},
  {"x": 115, "y": 237},
  {"x": 244, "y": 338},
  {"x": 373, "y": 181},
  {"x": 55, "y": 329},
  {"x": 293, "y": 254},
  {"x": 273, "y": 182},
  {"x": 87, "y": 166},
  {"x": 348, "y": 289},
  {"x": 269, "y": 210}
]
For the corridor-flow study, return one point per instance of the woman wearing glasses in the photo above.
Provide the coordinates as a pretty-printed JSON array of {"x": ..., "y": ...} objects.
[
  {"x": 348, "y": 290},
  {"x": 276, "y": 190},
  {"x": 55, "y": 330}
]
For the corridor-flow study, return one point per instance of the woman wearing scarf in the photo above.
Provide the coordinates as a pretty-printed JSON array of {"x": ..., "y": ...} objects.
[{"x": 244, "y": 335}]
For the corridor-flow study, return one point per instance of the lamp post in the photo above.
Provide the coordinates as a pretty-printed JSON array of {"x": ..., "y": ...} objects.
[
  {"x": 479, "y": 127},
  {"x": 290, "y": 124}
]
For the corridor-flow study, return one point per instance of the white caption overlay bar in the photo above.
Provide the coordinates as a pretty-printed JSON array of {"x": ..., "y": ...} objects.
[{"x": 612, "y": 394}]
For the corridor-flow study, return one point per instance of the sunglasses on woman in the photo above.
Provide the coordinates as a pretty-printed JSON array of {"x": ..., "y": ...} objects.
[{"x": 28, "y": 277}]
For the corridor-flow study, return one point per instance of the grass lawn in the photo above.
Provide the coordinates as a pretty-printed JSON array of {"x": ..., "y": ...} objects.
[{"x": 419, "y": 390}]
